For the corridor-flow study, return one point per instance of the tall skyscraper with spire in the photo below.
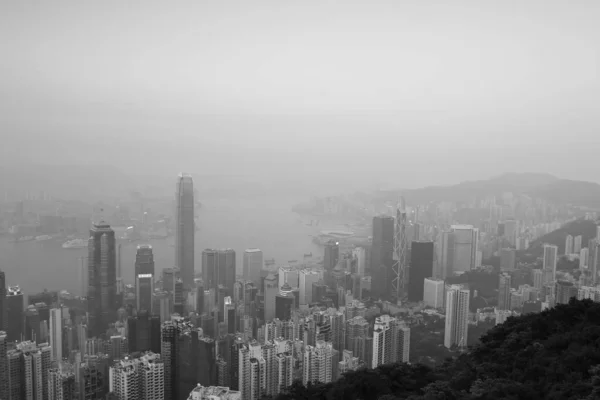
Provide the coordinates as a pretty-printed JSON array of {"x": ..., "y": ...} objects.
[
  {"x": 184, "y": 229},
  {"x": 102, "y": 278}
]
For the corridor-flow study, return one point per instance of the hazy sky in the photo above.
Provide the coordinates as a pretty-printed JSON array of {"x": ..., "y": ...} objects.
[{"x": 421, "y": 92}]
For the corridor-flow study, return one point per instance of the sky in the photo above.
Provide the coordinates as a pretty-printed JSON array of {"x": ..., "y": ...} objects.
[{"x": 409, "y": 92}]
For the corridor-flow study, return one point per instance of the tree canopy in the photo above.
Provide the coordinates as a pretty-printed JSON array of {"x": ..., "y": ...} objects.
[{"x": 554, "y": 354}]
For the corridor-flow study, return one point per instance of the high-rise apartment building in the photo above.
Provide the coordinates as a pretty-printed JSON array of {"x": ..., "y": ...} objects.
[
  {"x": 318, "y": 363},
  {"x": 583, "y": 257},
  {"x": 185, "y": 228},
  {"x": 433, "y": 292},
  {"x": 577, "y": 241},
  {"x": 457, "y": 316},
  {"x": 391, "y": 341},
  {"x": 550, "y": 260},
  {"x": 28, "y": 367},
  {"x": 102, "y": 278},
  {"x": 252, "y": 265},
  {"x": 4, "y": 377},
  {"x": 218, "y": 268},
  {"x": 56, "y": 333},
  {"x": 382, "y": 255},
  {"x": 14, "y": 313},
  {"x": 61, "y": 384},
  {"x": 421, "y": 267},
  {"x": 564, "y": 292},
  {"x": 504, "y": 291},
  {"x": 214, "y": 393},
  {"x": 138, "y": 378},
  {"x": 258, "y": 371},
  {"x": 537, "y": 276},
  {"x": 569, "y": 244}
]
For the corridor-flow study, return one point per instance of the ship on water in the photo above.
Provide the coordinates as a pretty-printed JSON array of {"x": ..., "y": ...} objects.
[{"x": 75, "y": 244}]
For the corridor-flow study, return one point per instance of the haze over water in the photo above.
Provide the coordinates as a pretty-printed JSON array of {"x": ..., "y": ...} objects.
[{"x": 262, "y": 221}]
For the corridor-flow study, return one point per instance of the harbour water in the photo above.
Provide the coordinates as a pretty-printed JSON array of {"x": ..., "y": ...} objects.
[{"x": 264, "y": 222}]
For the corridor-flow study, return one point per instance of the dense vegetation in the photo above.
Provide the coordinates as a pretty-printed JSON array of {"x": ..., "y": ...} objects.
[{"x": 551, "y": 355}]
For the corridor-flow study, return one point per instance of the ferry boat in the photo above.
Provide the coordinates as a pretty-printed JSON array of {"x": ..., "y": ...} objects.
[
  {"x": 43, "y": 237},
  {"x": 24, "y": 239},
  {"x": 75, "y": 244}
]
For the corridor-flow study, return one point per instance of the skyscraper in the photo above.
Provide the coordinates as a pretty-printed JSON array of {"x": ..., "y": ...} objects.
[
  {"x": 332, "y": 255},
  {"x": 218, "y": 268},
  {"x": 252, "y": 264},
  {"x": 306, "y": 279},
  {"x": 382, "y": 255},
  {"x": 466, "y": 240},
  {"x": 144, "y": 287},
  {"x": 550, "y": 259},
  {"x": 3, "y": 365},
  {"x": 3, "y": 309},
  {"x": 144, "y": 260},
  {"x": 284, "y": 303},
  {"x": 185, "y": 229},
  {"x": 504, "y": 291},
  {"x": 569, "y": 245},
  {"x": 421, "y": 267},
  {"x": 138, "y": 378},
  {"x": 271, "y": 291},
  {"x": 457, "y": 316},
  {"x": 577, "y": 244},
  {"x": 507, "y": 259},
  {"x": 445, "y": 255},
  {"x": 318, "y": 363},
  {"x": 56, "y": 334},
  {"x": 61, "y": 384},
  {"x": 102, "y": 278},
  {"x": 14, "y": 313}
]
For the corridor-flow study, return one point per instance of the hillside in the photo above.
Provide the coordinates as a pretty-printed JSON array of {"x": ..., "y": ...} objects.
[
  {"x": 550, "y": 355},
  {"x": 585, "y": 228},
  {"x": 545, "y": 186}
]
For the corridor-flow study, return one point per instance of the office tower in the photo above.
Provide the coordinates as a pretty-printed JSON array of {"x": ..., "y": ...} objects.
[
  {"x": 382, "y": 256},
  {"x": 288, "y": 275},
  {"x": 550, "y": 259},
  {"x": 144, "y": 286},
  {"x": 504, "y": 291},
  {"x": 577, "y": 241},
  {"x": 360, "y": 255},
  {"x": 337, "y": 321},
  {"x": 214, "y": 393},
  {"x": 421, "y": 267},
  {"x": 143, "y": 333},
  {"x": 252, "y": 264},
  {"x": 138, "y": 378},
  {"x": 569, "y": 245},
  {"x": 391, "y": 341},
  {"x": 284, "y": 303},
  {"x": 61, "y": 384},
  {"x": 56, "y": 334},
  {"x": 445, "y": 255},
  {"x": 170, "y": 332},
  {"x": 399, "y": 271},
  {"x": 457, "y": 316},
  {"x": 169, "y": 276},
  {"x": 218, "y": 268},
  {"x": 433, "y": 292},
  {"x": 178, "y": 300},
  {"x": 185, "y": 229},
  {"x": 144, "y": 260},
  {"x": 511, "y": 228},
  {"x": 229, "y": 315},
  {"x": 465, "y": 247},
  {"x": 507, "y": 259},
  {"x": 317, "y": 365},
  {"x": 564, "y": 292},
  {"x": 306, "y": 279},
  {"x": 598, "y": 233},
  {"x": 14, "y": 313},
  {"x": 102, "y": 278},
  {"x": 32, "y": 324},
  {"x": 271, "y": 292},
  {"x": 3, "y": 306},
  {"x": 583, "y": 257},
  {"x": 4, "y": 377},
  {"x": 332, "y": 255}
]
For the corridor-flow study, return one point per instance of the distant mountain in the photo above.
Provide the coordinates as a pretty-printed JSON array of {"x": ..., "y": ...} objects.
[
  {"x": 546, "y": 186},
  {"x": 585, "y": 228}
]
